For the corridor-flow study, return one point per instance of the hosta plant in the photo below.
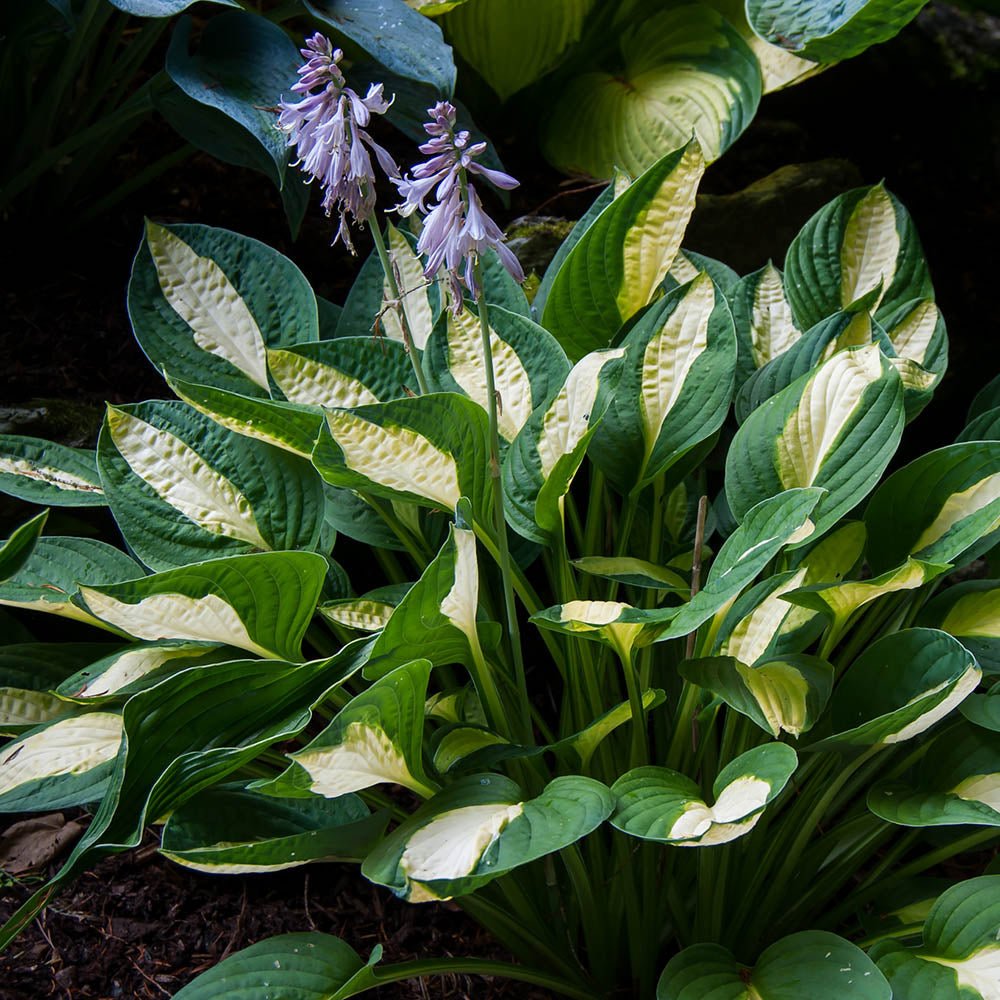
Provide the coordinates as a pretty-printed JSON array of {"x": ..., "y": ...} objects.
[{"x": 711, "y": 714}]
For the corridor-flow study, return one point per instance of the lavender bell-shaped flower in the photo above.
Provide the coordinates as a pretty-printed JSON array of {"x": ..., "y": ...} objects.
[
  {"x": 457, "y": 229},
  {"x": 328, "y": 129}
]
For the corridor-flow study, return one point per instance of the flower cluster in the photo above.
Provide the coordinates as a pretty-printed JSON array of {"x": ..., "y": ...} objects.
[
  {"x": 457, "y": 229},
  {"x": 327, "y": 127}
]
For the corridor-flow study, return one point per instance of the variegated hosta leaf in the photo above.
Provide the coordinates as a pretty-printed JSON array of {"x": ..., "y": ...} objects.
[
  {"x": 56, "y": 568},
  {"x": 958, "y": 957},
  {"x": 206, "y": 304},
  {"x": 481, "y": 827},
  {"x": 970, "y": 611},
  {"x": 490, "y": 37},
  {"x": 60, "y": 764},
  {"x": 676, "y": 386},
  {"x": 418, "y": 306},
  {"x": 528, "y": 363},
  {"x": 634, "y": 573},
  {"x": 437, "y": 616},
  {"x": 766, "y": 529},
  {"x": 684, "y": 70},
  {"x": 780, "y": 694},
  {"x": 376, "y": 738},
  {"x": 16, "y": 550},
  {"x": 345, "y": 372},
  {"x": 765, "y": 327},
  {"x": 655, "y": 803},
  {"x": 619, "y": 625},
  {"x": 288, "y": 426},
  {"x": 899, "y": 687},
  {"x": 688, "y": 265},
  {"x": 617, "y": 265},
  {"x": 836, "y": 429},
  {"x": 815, "y": 29},
  {"x": 231, "y": 830},
  {"x": 958, "y": 783},
  {"x": 137, "y": 667},
  {"x": 943, "y": 507},
  {"x": 540, "y": 464},
  {"x": 261, "y": 603},
  {"x": 359, "y": 613},
  {"x": 49, "y": 474},
  {"x": 431, "y": 450},
  {"x": 917, "y": 331},
  {"x": 23, "y": 709},
  {"x": 983, "y": 710},
  {"x": 861, "y": 247},
  {"x": 813, "y": 964},
  {"x": 183, "y": 488}
]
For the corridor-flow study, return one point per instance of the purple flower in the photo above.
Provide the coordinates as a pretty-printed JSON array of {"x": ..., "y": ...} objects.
[
  {"x": 457, "y": 229},
  {"x": 327, "y": 127}
]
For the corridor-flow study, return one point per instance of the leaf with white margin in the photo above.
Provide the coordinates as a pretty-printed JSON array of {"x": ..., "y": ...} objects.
[
  {"x": 540, "y": 464},
  {"x": 262, "y": 603},
  {"x": 970, "y": 611},
  {"x": 231, "y": 830},
  {"x": 675, "y": 388},
  {"x": 437, "y": 616},
  {"x": 49, "y": 474},
  {"x": 376, "y": 738},
  {"x": 836, "y": 429},
  {"x": 957, "y": 784},
  {"x": 56, "y": 568},
  {"x": 137, "y": 667},
  {"x": 480, "y": 827},
  {"x": 61, "y": 764},
  {"x": 183, "y": 488},
  {"x": 206, "y": 304},
  {"x": 187, "y": 734},
  {"x": 958, "y": 957},
  {"x": 814, "y": 964},
  {"x": 860, "y": 244},
  {"x": 616, "y": 267},
  {"x": 528, "y": 363},
  {"x": 814, "y": 29},
  {"x": 656, "y": 803},
  {"x": 765, "y": 327},
  {"x": 899, "y": 687},
  {"x": 780, "y": 694},
  {"x": 679, "y": 72},
  {"x": 431, "y": 450},
  {"x": 942, "y": 507},
  {"x": 16, "y": 550},
  {"x": 767, "y": 528},
  {"x": 288, "y": 426},
  {"x": 344, "y": 372}
]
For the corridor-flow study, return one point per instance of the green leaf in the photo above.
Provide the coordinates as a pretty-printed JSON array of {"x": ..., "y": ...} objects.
[
  {"x": 431, "y": 450},
  {"x": 958, "y": 957},
  {"x": 958, "y": 783},
  {"x": 261, "y": 603},
  {"x": 16, "y": 550},
  {"x": 676, "y": 386},
  {"x": 899, "y": 687},
  {"x": 656, "y": 803},
  {"x": 56, "y": 569},
  {"x": 827, "y": 32},
  {"x": 308, "y": 966},
  {"x": 480, "y": 828},
  {"x": 206, "y": 304},
  {"x": 231, "y": 830},
  {"x": 529, "y": 365},
  {"x": 684, "y": 70},
  {"x": 543, "y": 459},
  {"x": 942, "y": 507},
  {"x": 970, "y": 611},
  {"x": 835, "y": 428},
  {"x": 780, "y": 694},
  {"x": 863, "y": 243},
  {"x": 376, "y": 738},
  {"x": 49, "y": 474},
  {"x": 160, "y": 8},
  {"x": 616, "y": 267},
  {"x": 183, "y": 488},
  {"x": 633, "y": 573},
  {"x": 813, "y": 964}
]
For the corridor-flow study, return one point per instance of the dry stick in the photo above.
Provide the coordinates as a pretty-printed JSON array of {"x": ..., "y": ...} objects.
[{"x": 699, "y": 539}]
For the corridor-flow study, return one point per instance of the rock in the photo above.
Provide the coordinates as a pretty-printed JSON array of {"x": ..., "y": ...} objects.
[{"x": 536, "y": 238}]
